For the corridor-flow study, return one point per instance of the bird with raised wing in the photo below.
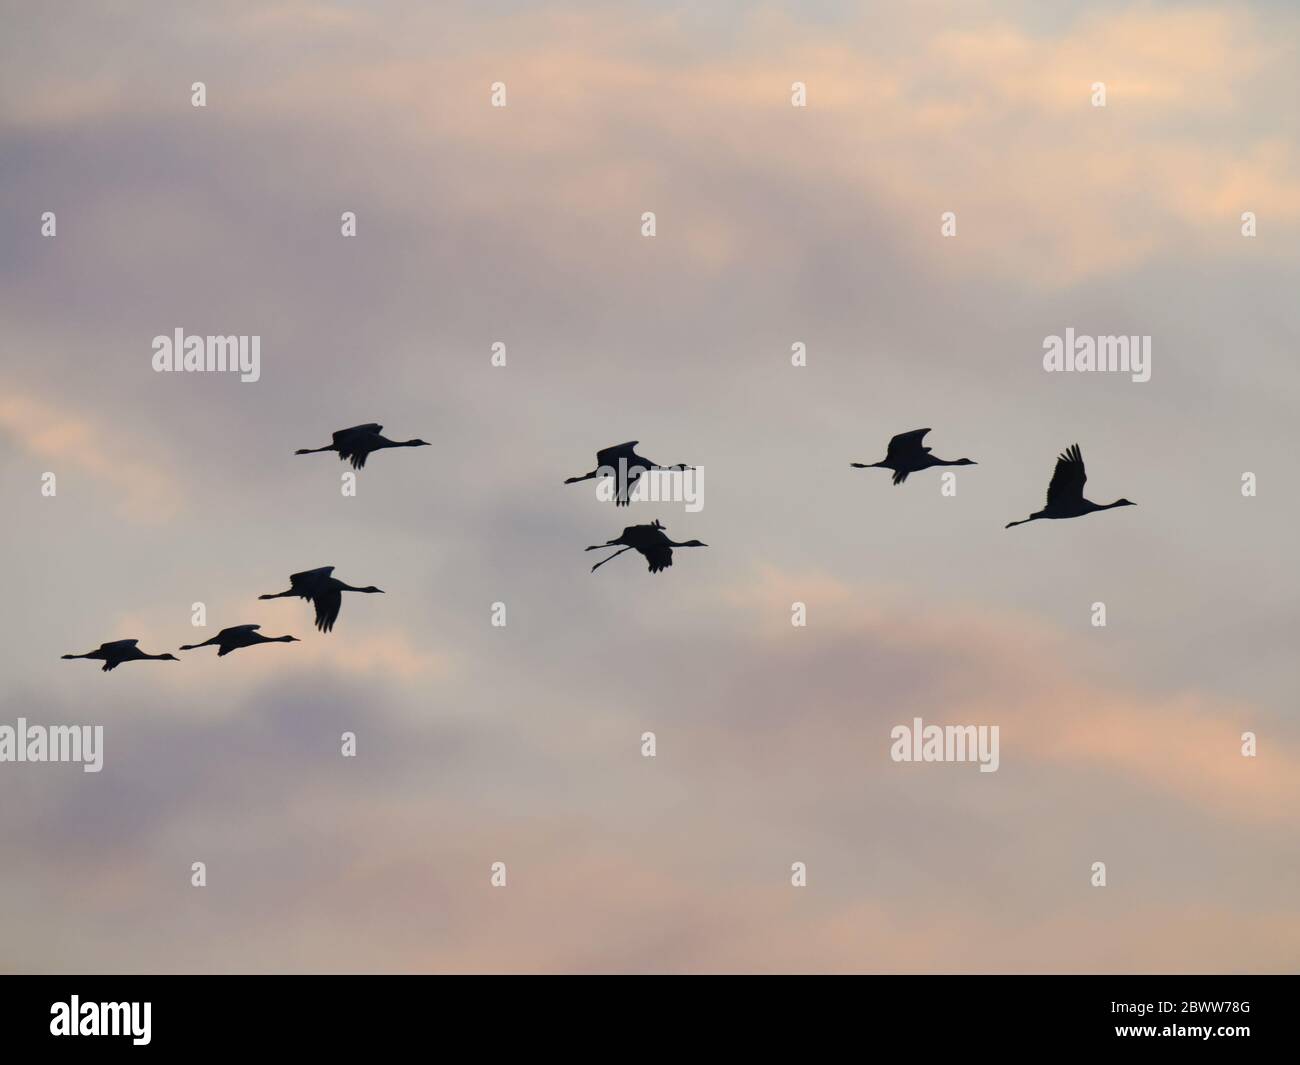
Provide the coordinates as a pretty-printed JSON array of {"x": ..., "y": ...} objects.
[
  {"x": 118, "y": 651},
  {"x": 237, "y": 636},
  {"x": 906, "y": 455},
  {"x": 626, "y": 467},
  {"x": 1065, "y": 493},
  {"x": 322, "y": 591},
  {"x": 357, "y": 444},
  {"x": 650, "y": 540}
]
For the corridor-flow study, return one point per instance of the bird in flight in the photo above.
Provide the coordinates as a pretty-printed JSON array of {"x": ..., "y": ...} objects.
[
  {"x": 237, "y": 636},
  {"x": 1065, "y": 493},
  {"x": 323, "y": 591},
  {"x": 358, "y": 442},
  {"x": 650, "y": 541},
  {"x": 119, "y": 651},
  {"x": 906, "y": 455},
  {"x": 622, "y": 463}
]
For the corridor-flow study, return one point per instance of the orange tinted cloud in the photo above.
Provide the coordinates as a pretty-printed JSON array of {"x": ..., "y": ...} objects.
[
  {"x": 995, "y": 667},
  {"x": 90, "y": 451}
]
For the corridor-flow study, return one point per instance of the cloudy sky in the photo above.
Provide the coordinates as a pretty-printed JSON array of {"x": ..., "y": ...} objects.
[{"x": 775, "y": 225}]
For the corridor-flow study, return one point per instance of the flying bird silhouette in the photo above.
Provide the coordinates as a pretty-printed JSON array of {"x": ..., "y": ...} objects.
[
  {"x": 623, "y": 463},
  {"x": 650, "y": 541},
  {"x": 323, "y": 591},
  {"x": 906, "y": 455},
  {"x": 118, "y": 651},
  {"x": 1065, "y": 493},
  {"x": 358, "y": 442},
  {"x": 237, "y": 636}
]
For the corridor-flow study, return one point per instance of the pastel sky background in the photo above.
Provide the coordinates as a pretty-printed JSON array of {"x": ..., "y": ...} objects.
[{"x": 775, "y": 225}]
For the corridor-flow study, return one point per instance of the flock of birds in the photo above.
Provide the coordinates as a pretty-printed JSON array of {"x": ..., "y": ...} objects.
[
  {"x": 905, "y": 455},
  {"x": 1064, "y": 493}
]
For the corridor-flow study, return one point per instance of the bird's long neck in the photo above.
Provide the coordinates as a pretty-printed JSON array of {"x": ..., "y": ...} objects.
[
  {"x": 348, "y": 588},
  {"x": 143, "y": 655},
  {"x": 313, "y": 450},
  {"x": 1108, "y": 506},
  {"x": 950, "y": 462}
]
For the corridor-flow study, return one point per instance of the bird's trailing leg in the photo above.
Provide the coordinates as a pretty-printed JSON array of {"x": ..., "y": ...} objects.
[{"x": 604, "y": 560}]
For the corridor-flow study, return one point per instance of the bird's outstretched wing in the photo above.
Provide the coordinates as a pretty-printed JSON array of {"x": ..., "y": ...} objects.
[
  {"x": 305, "y": 583},
  {"x": 328, "y": 600},
  {"x": 357, "y": 454},
  {"x": 118, "y": 645},
  {"x": 905, "y": 444},
  {"x": 1068, "y": 479},
  {"x": 351, "y": 444},
  {"x": 358, "y": 430},
  {"x": 609, "y": 456},
  {"x": 654, "y": 545},
  {"x": 660, "y": 556}
]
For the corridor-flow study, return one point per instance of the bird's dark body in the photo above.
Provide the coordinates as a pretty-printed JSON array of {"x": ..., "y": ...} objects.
[
  {"x": 114, "y": 653},
  {"x": 357, "y": 443},
  {"x": 1065, "y": 491},
  {"x": 235, "y": 637},
  {"x": 905, "y": 455},
  {"x": 322, "y": 590},
  {"x": 626, "y": 467},
  {"x": 650, "y": 541}
]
